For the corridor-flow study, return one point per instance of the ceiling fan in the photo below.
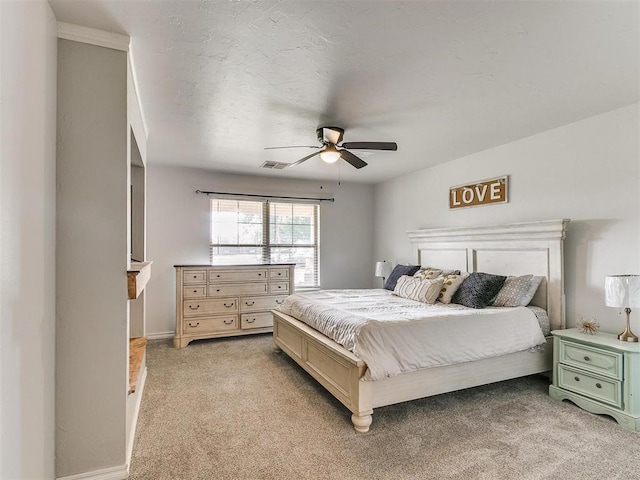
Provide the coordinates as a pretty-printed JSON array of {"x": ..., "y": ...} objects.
[{"x": 331, "y": 150}]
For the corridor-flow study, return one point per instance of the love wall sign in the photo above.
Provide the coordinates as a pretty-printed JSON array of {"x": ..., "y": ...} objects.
[{"x": 481, "y": 193}]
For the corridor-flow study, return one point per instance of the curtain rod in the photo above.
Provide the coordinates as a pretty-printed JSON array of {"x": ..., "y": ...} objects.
[{"x": 266, "y": 196}]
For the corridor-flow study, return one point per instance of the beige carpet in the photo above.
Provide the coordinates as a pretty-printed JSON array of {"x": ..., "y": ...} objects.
[{"x": 235, "y": 409}]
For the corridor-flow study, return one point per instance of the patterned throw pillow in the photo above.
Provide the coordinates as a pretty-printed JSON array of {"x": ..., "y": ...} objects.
[
  {"x": 397, "y": 272},
  {"x": 427, "y": 273},
  {"x": 478, "y": 289},
  {"x": 431, "y": 272},
  {"x": 421, "y": 290},
  {"x": 517, "y": 291},
  {"x": 451, "y": 283}
]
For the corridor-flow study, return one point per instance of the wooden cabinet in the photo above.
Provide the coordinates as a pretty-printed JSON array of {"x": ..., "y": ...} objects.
[
  {"x": 599, "y": 373},
  {"x": 228, "y": 300}
]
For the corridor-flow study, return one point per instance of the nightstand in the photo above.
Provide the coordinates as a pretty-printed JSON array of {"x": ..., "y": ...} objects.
[{"x": 599, "y": 373}]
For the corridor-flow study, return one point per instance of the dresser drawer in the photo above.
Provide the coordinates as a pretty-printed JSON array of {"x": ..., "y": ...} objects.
[
  {"x": 194, "y": 291},
  {"x": 194, "y": 308},
  {"x": 593, "y": 386},
  {"x": 249, "y": 304},
  {"x": 194, "y": 276},
  {"x": 221, "y": 323},
  {"x": 594, "y": 360},
  {"x": 256, "y": 320},
  {"x": 279, "y": 287},
  {"x": 276, "y": 273},
  {"x": 217, "y": 276},
  {"x": 241, "y": 289}
]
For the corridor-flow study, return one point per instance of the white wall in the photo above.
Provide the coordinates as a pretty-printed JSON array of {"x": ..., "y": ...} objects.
[
  {"x": 91, "y": 259},
  {"x": 178, "y": 229},
  {"x": 27, "y": 239},
  {"x": 587, "y": 171}
]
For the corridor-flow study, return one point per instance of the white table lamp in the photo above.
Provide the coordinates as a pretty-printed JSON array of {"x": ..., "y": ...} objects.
[
  {"x": 383, "y": 269},
  {"x": 623, "y": 291}
]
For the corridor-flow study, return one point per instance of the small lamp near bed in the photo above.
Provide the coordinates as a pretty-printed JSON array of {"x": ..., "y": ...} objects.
[
  {"x": 383, "y": 269},
  {"x": 623, "y": 291}
]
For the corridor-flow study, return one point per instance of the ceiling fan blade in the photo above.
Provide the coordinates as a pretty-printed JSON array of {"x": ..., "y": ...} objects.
[
  {"x": 352, "y": 159},
  {"x": 304, "y": 159},
  {"x": 292, "y": 146},
  {"x": 371, "y": 145}
]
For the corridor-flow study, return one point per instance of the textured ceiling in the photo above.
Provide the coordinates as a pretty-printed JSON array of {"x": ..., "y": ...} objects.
[{"x": 221, "y": 80}]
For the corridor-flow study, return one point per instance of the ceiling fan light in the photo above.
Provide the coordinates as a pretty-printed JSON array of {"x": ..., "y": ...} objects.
[{"x": 330, "y": 154}]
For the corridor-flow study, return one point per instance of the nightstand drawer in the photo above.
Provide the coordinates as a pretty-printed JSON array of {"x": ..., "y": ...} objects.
[
  {"x": 595, "y": 387},
  {"x": 594, "y": 360}
]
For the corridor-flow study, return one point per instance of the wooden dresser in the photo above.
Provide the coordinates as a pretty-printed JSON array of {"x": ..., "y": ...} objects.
[{"x": 228, "y": 300}]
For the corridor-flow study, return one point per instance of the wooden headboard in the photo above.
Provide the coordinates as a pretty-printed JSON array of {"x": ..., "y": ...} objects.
[{"x": 511, "y": 249}]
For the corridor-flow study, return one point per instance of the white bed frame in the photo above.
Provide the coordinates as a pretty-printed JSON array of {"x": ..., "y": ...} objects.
[{"x": 513, "y": 249}]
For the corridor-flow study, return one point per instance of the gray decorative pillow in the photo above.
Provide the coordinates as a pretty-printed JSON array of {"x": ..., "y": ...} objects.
[
  {"x": 478, "y": 289},
  {"x": 517, "y": 291},
  {"x": 397, "y": 272}
]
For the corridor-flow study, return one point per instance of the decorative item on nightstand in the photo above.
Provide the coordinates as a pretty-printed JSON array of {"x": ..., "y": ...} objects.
[
  {"x": 623, "y": 291},
  {"x": 588, "y": 325},
  {"x": 383, "y": 269}
]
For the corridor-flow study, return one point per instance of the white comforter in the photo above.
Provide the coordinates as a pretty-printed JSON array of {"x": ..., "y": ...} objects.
[{"x": 393, "y": 335}]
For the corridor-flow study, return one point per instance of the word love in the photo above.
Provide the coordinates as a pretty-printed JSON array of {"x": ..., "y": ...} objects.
[{"x": 481, "y": 193}]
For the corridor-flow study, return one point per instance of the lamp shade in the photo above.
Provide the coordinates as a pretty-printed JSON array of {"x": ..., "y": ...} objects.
[
  {"x": 622, "y": 291},
  {"x": 382, "y": 269}
]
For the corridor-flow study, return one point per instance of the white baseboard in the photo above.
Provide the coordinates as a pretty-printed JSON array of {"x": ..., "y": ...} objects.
[
  {"x": 160, "y": 336},
  {"x": 132, "y": 432},
  {"x": 119, "y": 472}
]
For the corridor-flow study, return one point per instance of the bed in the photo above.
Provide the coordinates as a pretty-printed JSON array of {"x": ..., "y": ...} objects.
[{"x": 513, "y": 249}]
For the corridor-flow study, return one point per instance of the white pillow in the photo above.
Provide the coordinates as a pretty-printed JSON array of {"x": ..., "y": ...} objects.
[
  {"x": 450, "y": 284},
  {"x": 425, "y": 291}
]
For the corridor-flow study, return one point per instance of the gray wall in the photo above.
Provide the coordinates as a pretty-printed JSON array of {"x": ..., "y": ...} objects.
[
  {"x": 178, "y": 229},
  {"x": 587, "y": 171},
  {"x": 27, "y": 239},
  {"x": 91, "y": 258}
]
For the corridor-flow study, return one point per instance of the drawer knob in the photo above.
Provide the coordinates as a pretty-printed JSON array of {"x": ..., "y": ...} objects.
[
  {"x": 194, "y": 324},
  {"x": 279, "y": 302},
  {"x": 217, "y": 289},
  {"x": 228, "y": 305},
  {"x": 279, "y": 273},
  {"x": 218, "y": 276},
  {"x": 577, "y": 379},
  {"x": 251, "y": 321},
  {"x": 195, "y": 291},
  {"x": 586, "y": 358},
  {"x": 259, "y": 274},
  {"x": 195, "y": 276},
  {"x": 598, "y": 385},
  {"x": 194, "y": 308},
  {"x": 228, "y": 322},
  {"x": 249, "y": 304}
]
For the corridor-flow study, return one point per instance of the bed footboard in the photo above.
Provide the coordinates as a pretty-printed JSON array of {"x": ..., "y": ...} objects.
[{"x": 334, "y": 367}]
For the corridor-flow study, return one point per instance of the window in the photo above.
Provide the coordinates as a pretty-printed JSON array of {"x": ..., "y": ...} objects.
[{"x": 246, "y": 231}]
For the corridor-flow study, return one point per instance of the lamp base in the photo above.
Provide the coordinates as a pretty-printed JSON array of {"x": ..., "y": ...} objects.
[{"x": 627, "y": 335}]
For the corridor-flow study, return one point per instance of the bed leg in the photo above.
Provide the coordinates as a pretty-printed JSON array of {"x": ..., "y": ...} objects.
[
  {"x": 277, "y": 349},
  {"x": 361, "y": 422}
]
